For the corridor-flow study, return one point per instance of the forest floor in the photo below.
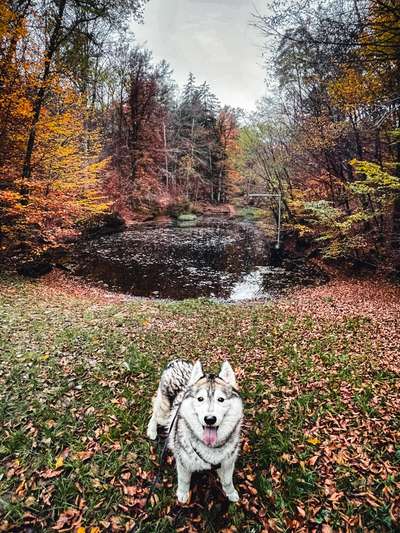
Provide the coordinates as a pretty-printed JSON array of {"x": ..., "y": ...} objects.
[{"x": 319, "y": 374}]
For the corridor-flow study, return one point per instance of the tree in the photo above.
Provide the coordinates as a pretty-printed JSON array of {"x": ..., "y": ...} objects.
[
  {"x": 67, "y": 20},
  {"x": 139, "y": 121},
  {"x": 44, "y": 122},
  {"x": 338, "y": 67}
]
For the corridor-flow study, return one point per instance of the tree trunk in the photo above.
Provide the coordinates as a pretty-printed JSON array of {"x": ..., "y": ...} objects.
[
  {"x": 38, "y": 103},
  {"x": 395, "y": 240},
  {"x": 165, "y": 156}
]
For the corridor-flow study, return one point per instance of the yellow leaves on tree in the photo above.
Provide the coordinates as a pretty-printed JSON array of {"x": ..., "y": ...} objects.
[
  {"x": 354, "y": 89},
  {"x": 381, "y": 39},
  {"x": 376, "y": 73},
  {"x": 64, "y": 184},
  {"x": 65, "y": 163}
]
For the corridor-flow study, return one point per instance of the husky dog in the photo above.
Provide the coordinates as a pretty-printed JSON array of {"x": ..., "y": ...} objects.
[{"x": 203, "y": 414}]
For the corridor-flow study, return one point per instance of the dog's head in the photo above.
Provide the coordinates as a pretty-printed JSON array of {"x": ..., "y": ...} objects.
[{"x": 212, "y": 406}]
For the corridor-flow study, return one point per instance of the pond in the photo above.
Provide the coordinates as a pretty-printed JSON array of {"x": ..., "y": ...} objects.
[{"x": 225, "y": 259}]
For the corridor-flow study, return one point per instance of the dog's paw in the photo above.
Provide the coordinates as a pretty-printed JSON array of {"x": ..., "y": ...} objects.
[
  {"x": 183, "y": 497},
  {"x": 233, "y": 496},
  {"x": 152, "y": 433}
]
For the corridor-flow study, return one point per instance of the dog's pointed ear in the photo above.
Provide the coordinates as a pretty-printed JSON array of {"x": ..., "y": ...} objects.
[
  {"x": 227, "y": 374},
  {"x": 197, "y": 373}
]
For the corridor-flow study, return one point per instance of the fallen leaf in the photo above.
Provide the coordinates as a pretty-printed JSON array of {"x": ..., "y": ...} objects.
[{"x": 59, "y": 462}]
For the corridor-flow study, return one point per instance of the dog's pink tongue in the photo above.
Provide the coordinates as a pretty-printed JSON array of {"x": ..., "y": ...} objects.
[{"x": 210, "y": 436}]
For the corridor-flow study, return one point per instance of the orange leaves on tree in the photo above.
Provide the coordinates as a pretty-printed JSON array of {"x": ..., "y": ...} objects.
[{"x": 66, "y": 166}]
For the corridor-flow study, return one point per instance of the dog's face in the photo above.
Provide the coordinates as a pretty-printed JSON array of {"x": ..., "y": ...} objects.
[{"x": 212, "y": 406}]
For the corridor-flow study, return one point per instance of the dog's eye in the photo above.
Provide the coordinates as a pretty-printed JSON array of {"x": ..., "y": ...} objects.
[
  {"x": 200, "y": 398},
  {"x": 221, "y": 399}
]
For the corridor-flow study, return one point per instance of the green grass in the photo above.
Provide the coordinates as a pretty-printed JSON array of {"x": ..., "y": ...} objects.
[{"x": 76, "y": 381}]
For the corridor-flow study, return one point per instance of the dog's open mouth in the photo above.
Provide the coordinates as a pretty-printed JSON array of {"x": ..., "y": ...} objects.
[{"x": 210, "y": 435}]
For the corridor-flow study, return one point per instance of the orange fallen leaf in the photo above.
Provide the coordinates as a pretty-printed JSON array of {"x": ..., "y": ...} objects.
[
  {"x": 49, "y": 473},
  {"x": 83, "y": 456}
]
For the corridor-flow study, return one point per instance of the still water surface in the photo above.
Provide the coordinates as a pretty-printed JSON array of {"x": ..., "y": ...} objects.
[{"x": 227, "y": 259}]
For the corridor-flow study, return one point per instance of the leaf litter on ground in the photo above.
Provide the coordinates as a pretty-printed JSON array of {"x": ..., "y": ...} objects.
[{"x": 318, "y": 370}]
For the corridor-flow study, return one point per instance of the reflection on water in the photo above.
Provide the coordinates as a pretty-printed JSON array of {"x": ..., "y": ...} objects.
[
  {"x": 225, "y": 259},
  {"x": 251, "y": 286}
]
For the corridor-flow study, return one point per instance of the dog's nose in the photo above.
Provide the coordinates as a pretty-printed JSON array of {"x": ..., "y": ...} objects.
[{"x": 210, "y": 420}]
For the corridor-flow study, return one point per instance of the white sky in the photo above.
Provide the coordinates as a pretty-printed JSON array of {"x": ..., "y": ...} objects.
[{"x": 212, "y": 39}]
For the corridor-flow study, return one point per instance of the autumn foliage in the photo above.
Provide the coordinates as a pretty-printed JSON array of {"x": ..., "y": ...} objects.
[
  {"x": 90, "y": 123},
  {"x": 62, "y": 186},
  {"x": 331, "y": 143}
]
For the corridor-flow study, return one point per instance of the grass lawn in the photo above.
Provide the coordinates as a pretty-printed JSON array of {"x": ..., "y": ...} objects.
[{"x": 319, "y": 374}]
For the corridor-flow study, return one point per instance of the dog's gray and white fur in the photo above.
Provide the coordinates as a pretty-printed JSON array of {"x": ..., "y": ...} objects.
[{"x": 203, "y": 415}]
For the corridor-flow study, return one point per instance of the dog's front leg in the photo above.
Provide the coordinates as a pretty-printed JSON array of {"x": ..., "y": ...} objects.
[
  {"x": 225, "y": 474},
  {"x": 152, "y": 427},
  {"x": 184, "y": 476}
]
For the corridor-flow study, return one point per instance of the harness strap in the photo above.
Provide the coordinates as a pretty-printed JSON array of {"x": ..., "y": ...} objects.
[{"x": 213, "y": 466}]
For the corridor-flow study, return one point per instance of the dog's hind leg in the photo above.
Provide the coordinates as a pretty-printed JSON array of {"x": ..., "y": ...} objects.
[
  {"x": 225, "y": 474},
  {"x": 160, "y": 415}
]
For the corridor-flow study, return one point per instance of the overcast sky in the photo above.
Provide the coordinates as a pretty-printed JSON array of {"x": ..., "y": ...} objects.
[{"x": 212, "y": 39}]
